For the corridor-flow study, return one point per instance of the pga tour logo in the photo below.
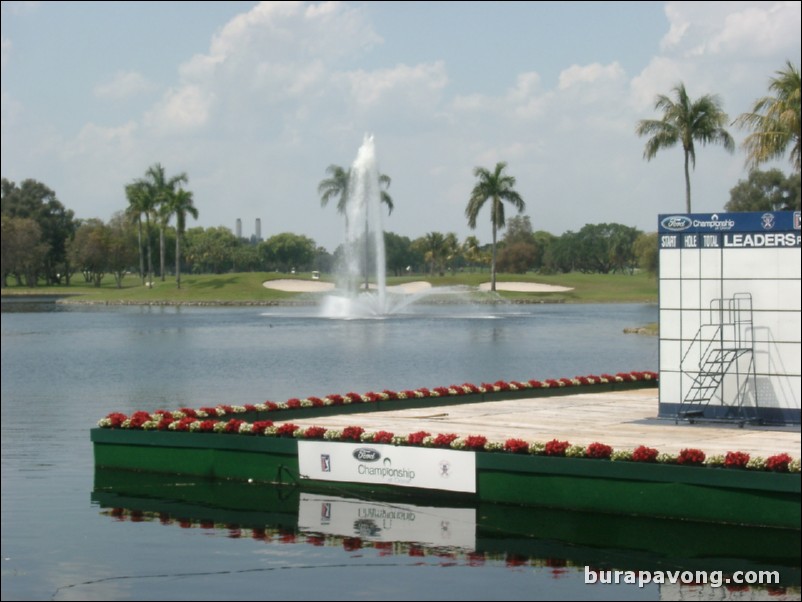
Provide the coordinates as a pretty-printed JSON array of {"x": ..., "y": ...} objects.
[
  {"x": 366, "y": 454},
  {"x": 676, "y": 223}
]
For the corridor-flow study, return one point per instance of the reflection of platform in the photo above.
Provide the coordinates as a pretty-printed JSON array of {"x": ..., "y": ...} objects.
[{"x": 537, "y": 536}]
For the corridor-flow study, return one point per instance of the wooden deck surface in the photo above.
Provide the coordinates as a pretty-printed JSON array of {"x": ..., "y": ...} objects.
[{"x": 622, "y": 419}]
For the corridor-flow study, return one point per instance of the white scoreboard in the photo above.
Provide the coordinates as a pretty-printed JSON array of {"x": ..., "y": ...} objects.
[{"x": 729, "y": 286}]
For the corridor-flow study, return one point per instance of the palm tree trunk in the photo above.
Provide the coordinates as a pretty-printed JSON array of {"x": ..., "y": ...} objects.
[
  {"x": 687, "y": 185},
  {"x": 161, "y": 251},
  {"x": 141, "y": 255},
  {"x": 178, "y": 259},
  {"x": 493, "y": 261},
  {"x": 150, "y": 259}
]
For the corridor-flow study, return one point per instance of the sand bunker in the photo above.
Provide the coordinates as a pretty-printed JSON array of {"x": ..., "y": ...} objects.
[
  {"x": 317, "y": 286},
  {"x": 299, "y": 286},
  {"x": 526, "y": 287},
  {"x": 408, "y": 288}
]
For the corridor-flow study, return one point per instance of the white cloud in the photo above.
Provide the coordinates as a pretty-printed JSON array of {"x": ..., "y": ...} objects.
[
  {"x": 418, "y": 86},
  {"x": 185, "y": 108},
  {"x": 658, "y": 77},
  {"x": 730, "y": 28},
  {"x": 123, "y": 85},
  {"x": 590, "y": 74}
]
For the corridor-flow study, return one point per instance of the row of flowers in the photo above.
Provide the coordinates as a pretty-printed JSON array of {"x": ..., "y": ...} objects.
[
  {"x": 119, "y": 420},
  {"x": 598, "y": 451}
]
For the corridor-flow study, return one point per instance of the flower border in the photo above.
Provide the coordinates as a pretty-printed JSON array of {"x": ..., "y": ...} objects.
[{"x": 220, "y": 419}]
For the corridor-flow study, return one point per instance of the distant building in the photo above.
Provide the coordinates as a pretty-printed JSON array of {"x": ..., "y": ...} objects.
[
  {"x": 258, "y": 231},
  {"x": 239, "y": 228}
]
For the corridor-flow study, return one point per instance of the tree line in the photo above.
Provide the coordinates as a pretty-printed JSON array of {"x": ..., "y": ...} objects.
[{"x": 43, "y": 241}]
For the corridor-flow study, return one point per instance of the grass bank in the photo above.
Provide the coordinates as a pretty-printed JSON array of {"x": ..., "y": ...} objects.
[{"x": 247, "y": 288}]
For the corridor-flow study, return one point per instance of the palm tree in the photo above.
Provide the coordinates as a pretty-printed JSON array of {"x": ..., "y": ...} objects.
[
  {"x": 337, "y": 186},
  {"x": 162, "y": 190},
  {"x": 497, "y": 187},
  {"x": 774, "y": 120},
  {"x": 137, "y": 206},
  {"x": 181, "y": 205},
  {"x": 684, "y": 121}
]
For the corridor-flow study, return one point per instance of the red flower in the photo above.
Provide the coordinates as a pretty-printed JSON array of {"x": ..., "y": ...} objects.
[
  {"x": 336, "y": 400},
  {"x": 644, "y": 454},
  {"x": 354, "y": 397},
  {"x": 417, "y": 438},
  {"x": 207, "y": 426},
  {"x": 736, "y": 459},
  {"x": 382, "y": 437},
  {"x": 778, "y": 463},
  {"x": 116, "y": 419},
  {"x": 286, "y": 430},
  {"x": 139, "y": 418},
  {"x": 444, "y": 440},
  {"x": 165, "y": 422},
  {"x": 232, "y": 426},
  {"x": 260, "y": 425},
  {"x": 183, "y": 424},
  {"x": 316, "y": 401},
  {"x": 556, "y": 448},
  {"x": 189, "y": 412},
  {"x": 390, "y": 394},
  {"x": 516, "y": 446},
  {"x": 352, "y": 433},
  {"x": 294, "y": 403},
  {"x": 271, "y": 406},
  {"x": 691, "y": 456},
  {"x": 598, "y": 450},
  {"x": 475, "y": 442},
  {"x": 314, "y": 432},
  {"x": 209, "y": 411},
  {"x": 249, "y": 407}
]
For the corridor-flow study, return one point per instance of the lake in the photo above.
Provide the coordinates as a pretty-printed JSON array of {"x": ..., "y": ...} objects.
[{"x": 68, "y": 533}]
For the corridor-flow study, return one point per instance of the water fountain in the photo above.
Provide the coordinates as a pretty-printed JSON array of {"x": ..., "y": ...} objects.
[
  {"x": 364, "y": 244},
  {"x": 362, "y": 290}
]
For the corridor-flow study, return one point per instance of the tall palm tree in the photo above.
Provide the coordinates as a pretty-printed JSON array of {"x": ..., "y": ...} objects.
[
  {"x": 181, "y": 205},
  {"x": 685, "y": 120},
  {"x": 495, "y": 186},
  {"x": 162, "y": 190},
  {"x": 137, "y": 207},
  {"x": 774, "y": 120},
  {"x": 336, "y": 186}
]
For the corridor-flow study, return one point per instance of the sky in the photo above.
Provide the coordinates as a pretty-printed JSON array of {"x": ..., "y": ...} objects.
[{"x": 254, "y": 100}]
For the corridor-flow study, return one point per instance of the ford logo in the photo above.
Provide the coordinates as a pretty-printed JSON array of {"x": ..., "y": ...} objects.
[
  {"x": 676, "y": 223},
  {"x": 366, "y": 454}
]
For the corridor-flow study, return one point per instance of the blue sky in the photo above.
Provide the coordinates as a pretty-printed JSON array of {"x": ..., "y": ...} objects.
[{"x": 254, "y": 100}]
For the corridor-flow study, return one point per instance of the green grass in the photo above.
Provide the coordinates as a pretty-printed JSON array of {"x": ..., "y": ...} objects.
[{"x": 247, "y": 287}]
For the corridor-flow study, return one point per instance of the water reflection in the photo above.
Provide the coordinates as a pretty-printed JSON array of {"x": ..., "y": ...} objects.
[{"x": 457, "y": 533}]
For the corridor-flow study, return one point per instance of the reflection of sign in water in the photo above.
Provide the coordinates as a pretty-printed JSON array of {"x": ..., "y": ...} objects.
[
  {"x": 387, "y": 522},
  {"x": 426, "y": 468}
]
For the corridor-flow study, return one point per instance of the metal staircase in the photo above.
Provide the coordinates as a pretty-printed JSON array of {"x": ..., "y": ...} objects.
[{"x": 725, "y": 338}]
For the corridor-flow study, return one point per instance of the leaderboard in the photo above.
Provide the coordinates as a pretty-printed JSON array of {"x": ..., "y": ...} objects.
[{"x": 748, "y": 230}]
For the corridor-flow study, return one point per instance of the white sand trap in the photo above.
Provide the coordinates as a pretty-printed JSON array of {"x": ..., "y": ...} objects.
[
  {"x": 525, "y": 287},
  {"x": 299, "y": 286},
  {"x": 410, "y": 288}
]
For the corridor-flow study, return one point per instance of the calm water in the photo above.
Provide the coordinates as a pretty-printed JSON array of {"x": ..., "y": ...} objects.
[{"x": 63, "y": 368}]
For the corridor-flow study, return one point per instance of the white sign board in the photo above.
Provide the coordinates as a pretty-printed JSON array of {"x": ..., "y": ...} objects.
[
  {"x": 423, "y": 467},
  {"x": 371, "y": 521}
]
